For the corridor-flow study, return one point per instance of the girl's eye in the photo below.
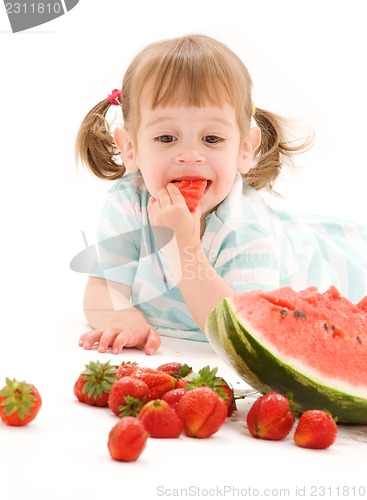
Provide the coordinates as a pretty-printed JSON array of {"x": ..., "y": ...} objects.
[
  {"x": 165, "y": 139},
  {"x": 212, "y": 139}
]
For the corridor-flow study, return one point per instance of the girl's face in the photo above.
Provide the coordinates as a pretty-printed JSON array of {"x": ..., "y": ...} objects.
[{"x": 184, "y": 143}]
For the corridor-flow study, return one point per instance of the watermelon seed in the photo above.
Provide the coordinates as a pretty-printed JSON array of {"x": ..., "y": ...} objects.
[
  {"x": 359, "y": 340},
  {"x": 283, "y": 312},
  {"x": 332, "y": 327},
  {"x": 299, "y": 314}
]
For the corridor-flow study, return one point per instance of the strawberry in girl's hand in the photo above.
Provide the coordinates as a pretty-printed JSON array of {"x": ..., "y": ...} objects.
[
  {"x": 94, "y": 383},
  {"x": 19, "y": 403},
  {"x": 174, "y": 396},
  {"x": 316, "y": 429},
  {"x": 157, "y": 381},
  {"x": 127, "y": 439},
  {"x": 270, "y": 417},
  {"x": 160, "y": 419},
  {"x": 202, "y": 411},
  {"x": 127, "y": 396}
]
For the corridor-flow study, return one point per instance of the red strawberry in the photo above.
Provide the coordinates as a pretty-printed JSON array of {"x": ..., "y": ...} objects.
[
  {"x": 157, "y": 381},
  {"x": 202, "y": 411},
  {"x": 316, "y": 429},
  {"x": 94, "y": 383},
  {"x": 127, "y": 439},
  {"x": 127, "y": 396},
  {"x": 19, "y": 403},
  {"x": 229, "y": 398},
  {"x": 181, "y": 382},
  {"x": 270, "y": 417},
  {"x": 125, "y": 369},
  {"x": 174, "y": 396},
  {"x": 208, "y": 377},
  {"x": 192, "y": 191},
  {"x": 176, "y": 369},
  {"x": 160, "y": 419}
]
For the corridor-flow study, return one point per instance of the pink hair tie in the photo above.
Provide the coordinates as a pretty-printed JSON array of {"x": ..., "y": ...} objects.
[{"x": 115, "y": 96}]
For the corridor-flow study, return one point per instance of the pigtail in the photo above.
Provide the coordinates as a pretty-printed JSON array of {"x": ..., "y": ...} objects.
[
  {"x": 274, "y": 151},
  {"x": 95, "y": 145}
]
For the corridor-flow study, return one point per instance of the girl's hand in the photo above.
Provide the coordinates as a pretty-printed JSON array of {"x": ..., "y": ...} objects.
[
  {"x": 140, "y": 335},
  {"x": 169, "y": 209}
]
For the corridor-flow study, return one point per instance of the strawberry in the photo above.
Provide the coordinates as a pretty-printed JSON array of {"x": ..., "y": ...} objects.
[
  {"x": 315, "y": 429},
  {"x": 176, "y": 369},
  {"x": 127, "y": 396},
  {"x": 229, "y": 398},
  {"x": 174, "y": 396},
  {"x": 208, "y": 377},
  {"x": 94, "y": 383},
  {"x": 160, "y": 419},
  {"x": 157, "y": 381},
  {"x": 202, "y": 411},
  {"x": 19, "y": 403},
  {"x": 270, "y": 417},
  {"x": 126, "y": 369},
  {"x": 127, "y": 439}
]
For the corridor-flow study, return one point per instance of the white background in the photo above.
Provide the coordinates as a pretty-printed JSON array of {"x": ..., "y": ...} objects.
[{"x": 307, "y": 61}]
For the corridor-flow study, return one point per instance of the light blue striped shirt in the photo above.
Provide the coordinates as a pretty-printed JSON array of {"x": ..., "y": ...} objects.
[{"x": 249, "y": 244}]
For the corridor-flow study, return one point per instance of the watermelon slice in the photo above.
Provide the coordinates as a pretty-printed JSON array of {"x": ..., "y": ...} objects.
[
  {"x": 192, "y": 191},
  {"x": 311, "y": 344}
]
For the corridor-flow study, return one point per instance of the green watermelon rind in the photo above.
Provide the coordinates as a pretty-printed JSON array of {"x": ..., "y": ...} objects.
[{"x": 265, "y": 372}]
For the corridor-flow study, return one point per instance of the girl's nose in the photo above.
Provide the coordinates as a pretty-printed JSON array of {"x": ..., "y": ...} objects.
[{"x": 191, "y": 157}]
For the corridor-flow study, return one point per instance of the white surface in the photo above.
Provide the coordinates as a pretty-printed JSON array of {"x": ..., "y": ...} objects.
[
  {"x": 63, "y": 452},
  {"x": 307, "y": 60}
]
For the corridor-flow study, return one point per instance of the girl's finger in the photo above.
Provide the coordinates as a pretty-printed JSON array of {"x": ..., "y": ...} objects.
[
  {"x": 88, "y": 339},
  {"x": 164, "y": 198},
  {"x": 120, "y": 342},
  {"x": 175, "y": 194},
  {"x": 153, "y": 342},
  {"x": 107, "y": 339}
]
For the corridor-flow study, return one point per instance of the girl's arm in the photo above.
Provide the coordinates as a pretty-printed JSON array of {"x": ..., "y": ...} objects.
[
  {"x": 200, "y": 285},
  {"x": 114, "y": 320}
]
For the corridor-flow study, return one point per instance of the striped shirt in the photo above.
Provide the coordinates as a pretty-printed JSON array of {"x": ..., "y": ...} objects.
[{"x": 250, "y": 244}]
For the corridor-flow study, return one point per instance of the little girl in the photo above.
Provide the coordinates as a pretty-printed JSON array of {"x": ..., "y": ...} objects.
[{"x": 187, "y": 111}]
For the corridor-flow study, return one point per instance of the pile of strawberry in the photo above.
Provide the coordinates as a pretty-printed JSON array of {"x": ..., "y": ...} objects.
[
  {"x": 161, "y": 402},
  {"x": 168, "y": 401},
  {"x": 172, "y": 399}
]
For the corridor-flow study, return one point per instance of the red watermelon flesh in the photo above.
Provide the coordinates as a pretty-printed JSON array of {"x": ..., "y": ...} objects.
[
  {"x": 192, "y": 191},
  {"x": 321, "y": 331}
]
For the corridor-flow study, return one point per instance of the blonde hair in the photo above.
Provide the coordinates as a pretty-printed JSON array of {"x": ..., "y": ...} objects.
[{"x": 193, "y": 70}]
